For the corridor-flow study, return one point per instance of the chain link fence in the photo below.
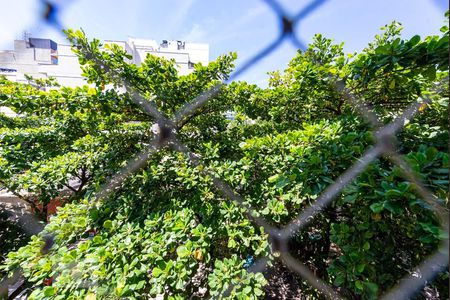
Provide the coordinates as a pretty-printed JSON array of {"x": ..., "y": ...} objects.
[{"x": 165, "y": 130}]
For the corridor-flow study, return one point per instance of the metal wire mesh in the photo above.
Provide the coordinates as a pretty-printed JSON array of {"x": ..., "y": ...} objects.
[{"x": 166, "y": 136}]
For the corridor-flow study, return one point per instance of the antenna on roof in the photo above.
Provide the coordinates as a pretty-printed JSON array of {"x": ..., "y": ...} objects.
[{"x": 26, "y": 35}]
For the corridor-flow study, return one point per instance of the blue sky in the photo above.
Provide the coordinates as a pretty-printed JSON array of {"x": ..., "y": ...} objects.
[{"x": 244, "y": 26}]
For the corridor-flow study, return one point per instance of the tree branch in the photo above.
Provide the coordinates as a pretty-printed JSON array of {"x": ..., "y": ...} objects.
[
  {"x": 204, "y": 110},
  {"x": 69, "y": 187}
]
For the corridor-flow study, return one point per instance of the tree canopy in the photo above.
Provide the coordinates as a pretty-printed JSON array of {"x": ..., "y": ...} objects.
[{"x": 168, "y": 231}]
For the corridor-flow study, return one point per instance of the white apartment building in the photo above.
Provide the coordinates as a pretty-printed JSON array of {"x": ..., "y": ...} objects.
[{"x": 43, "y": 58}]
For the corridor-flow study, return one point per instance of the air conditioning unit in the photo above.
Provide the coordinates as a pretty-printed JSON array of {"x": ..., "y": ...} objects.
[
  {"x": 164, "y": 44},
  {"x": 181, "y": 45}
]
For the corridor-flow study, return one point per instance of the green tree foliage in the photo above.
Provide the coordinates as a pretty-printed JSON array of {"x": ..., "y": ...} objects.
[
  {"x": 393, "y": 72},
  {"x": 59, "y": 139},
  {"x": 168, "y": 231}
]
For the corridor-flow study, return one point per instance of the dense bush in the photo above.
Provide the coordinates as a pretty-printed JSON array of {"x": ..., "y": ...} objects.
[{"x": 168, "y": 231}]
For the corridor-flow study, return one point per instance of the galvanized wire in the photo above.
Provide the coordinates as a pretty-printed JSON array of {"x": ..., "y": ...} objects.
[{"x": 166, "y": 130}]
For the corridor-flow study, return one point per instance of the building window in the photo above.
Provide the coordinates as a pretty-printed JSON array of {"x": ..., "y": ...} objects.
[
  {"x": 164, "y": 44},
  {"x": 7, "y": 70}
]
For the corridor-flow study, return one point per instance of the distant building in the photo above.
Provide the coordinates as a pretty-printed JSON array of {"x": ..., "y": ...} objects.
[{"x": 43, "y": 58}]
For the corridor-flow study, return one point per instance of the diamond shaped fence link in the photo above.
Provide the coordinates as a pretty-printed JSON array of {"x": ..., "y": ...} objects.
[{"x": 165, "y": 136}]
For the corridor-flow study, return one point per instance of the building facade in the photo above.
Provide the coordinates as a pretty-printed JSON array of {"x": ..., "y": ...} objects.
[{"x": 43, "y": 58}]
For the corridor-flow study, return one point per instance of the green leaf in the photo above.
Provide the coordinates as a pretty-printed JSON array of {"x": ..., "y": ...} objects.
[
  {"x": 231, "y": 243},
  {"x": 183, "y": 251},
  {"x": 93, "y": 213},
  {"x": 179, "y": 284},
  {"x": 430, "y": 73},
  {"x": 340, "y": 279},
  {"x": 393, "y": 193},
  {"x": 393, "y": 207},
  {"x": 107, "y": 224},
  {"x": 156, "y": 272},
  {"x": 377, "y": 207},
  {"x": 414, "y": 40},
  {"x": 97, "y": 239},
  {"x": 273, "y": 178},
  {"x": 247, "y": 290},
  {"x": 140, "y": 285},
  {"x": 282, "y": 182},
  {"x": 258, "y": 292},
  {"x": 371, "y": 287},
  {"x": 360, "y": 268},
  {"x": 366, "y": 246},
  {"x": 351, "y": 198},
  {"x": 385, "y": 49},
  {"x": 392, "y": 84},
  {"x": 212, "y": 283},
  {"x": 90, "y": 296},
  {"x": 49, "y": 291},
  {"x": 440, "y": 182}
]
